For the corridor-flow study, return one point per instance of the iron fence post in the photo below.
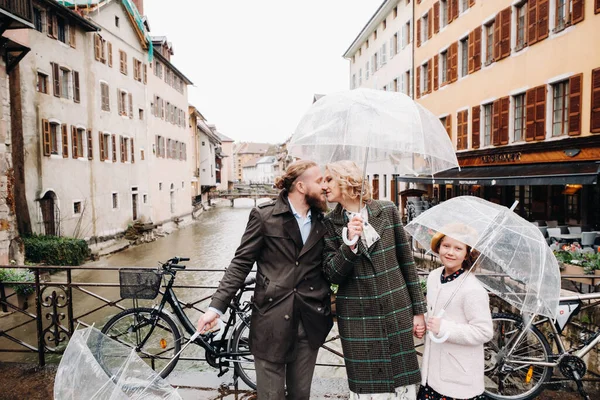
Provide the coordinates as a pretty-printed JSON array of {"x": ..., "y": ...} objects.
[
  {"x": 3, "y": 298},
  {"x": 70, "y": 304},
  {"x": 38, "y": 311}
]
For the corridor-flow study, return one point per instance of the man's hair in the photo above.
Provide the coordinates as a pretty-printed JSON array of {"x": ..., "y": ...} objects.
[{"x": 293, "y": 171}]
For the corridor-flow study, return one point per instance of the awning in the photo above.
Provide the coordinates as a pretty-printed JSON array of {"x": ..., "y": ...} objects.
[{"x": 585, "y": 173}]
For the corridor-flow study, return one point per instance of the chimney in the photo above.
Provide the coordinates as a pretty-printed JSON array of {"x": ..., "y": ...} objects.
[{"x": 140, "y": 6}]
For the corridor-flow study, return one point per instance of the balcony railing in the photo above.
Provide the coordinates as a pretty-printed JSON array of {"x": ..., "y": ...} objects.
[{"x": 21, "y": 9}]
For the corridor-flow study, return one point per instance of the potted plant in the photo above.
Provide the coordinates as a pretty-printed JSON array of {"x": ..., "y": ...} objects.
[{"x": 22, "y": 291}]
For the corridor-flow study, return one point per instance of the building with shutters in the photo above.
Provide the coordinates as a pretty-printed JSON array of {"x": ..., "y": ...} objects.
[
  {"x": 517, "y": 85},
  {"x": 168, "y": 130},
  {"x": 206, "y": 156}
]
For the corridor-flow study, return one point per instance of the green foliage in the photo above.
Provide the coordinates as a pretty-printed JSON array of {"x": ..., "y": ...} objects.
[
  {"x": 589, "y": 261},
  {"x": 18, "y": 275},
  {"x": 563, "y": 256},
  {"x": 53, "y": 250}
]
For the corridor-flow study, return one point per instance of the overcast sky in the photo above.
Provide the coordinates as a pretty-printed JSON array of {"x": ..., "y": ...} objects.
[{"x": 256, "y": 64}]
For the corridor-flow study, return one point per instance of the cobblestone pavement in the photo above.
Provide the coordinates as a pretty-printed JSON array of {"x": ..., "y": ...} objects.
[{"x": 26, "y": 381}]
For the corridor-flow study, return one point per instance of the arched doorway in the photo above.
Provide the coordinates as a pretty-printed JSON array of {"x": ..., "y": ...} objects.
[{"x": 50, "y": 214}]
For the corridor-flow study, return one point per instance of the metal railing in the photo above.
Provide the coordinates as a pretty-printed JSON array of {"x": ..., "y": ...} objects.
[{"x": 20, "y": 8}]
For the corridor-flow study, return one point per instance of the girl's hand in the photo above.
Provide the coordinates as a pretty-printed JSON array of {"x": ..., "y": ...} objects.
[
  {"x": 355, "y": 227},
  {"x": 419, "y": 326},
  {"x": 433, "y": 324}
]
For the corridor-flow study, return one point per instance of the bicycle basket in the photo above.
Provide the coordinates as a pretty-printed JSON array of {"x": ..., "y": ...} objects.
[{"x": 139, "y": 283}]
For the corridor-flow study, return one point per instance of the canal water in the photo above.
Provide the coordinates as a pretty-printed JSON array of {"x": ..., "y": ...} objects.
[{"x": 210, "y": 243}]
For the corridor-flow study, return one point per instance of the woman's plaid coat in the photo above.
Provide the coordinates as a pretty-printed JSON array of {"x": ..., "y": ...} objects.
[{"x": 378, "y": 295}]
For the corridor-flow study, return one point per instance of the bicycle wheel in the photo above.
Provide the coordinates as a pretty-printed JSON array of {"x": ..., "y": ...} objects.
[
  {"x": 507, "y": 378},
  {"x": 131, "y": 326},
  {"x": 244, "y": 362}
]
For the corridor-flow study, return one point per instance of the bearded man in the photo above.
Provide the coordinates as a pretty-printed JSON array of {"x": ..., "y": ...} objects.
[{"x": 291, "y": 314}]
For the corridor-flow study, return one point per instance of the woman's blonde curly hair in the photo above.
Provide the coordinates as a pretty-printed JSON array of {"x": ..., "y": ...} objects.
[{"x": 350, "y": 179}]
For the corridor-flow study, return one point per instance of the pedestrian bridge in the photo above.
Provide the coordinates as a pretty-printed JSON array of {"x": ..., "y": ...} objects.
[{"x": 233, "y": 195}]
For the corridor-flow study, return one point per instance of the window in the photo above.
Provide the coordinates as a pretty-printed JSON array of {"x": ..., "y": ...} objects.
[
  {"x": 37, "y": 20},
  {"x": 115, "y": 200},
  {"x": 367, "y": 71},
  {"x": 394, "y": 47},
  {"x": 122, "y": 103},
  {"x": 104, "y": 146},
  {"x": 560, "y": 108},
  {"x": 425, "y": 75},
  {"x": 109, "y": 51},
  {"x": 519, "y": 108},
  {"x": 51, "y": 22},
  {"x": 54, "y": 127},
  {"x": 408, "y": 86},
  {"x": 123, "y": 61},
  {"x": 61, "y": 29},
  {"x": 375, "y": 35},
  {"x": 464, "y": 5},
  {"x": 77, "y": 142},
  {"x": 141, "y": 113},
  {"x": 158, "y": 70},
  {"x": 77, "y": 207},
  {"x": 489, "y": 43},
  {"x": 42, "y": 83},
  {"x": 562, "y": 14},
  {"x": 395, "y": 12},
  {"x": 159, "y": 185},
  {"x": 76, "y": 89},
  {"x": 367, "y": 43},
  {"x": 117, "y": 21},
  {"x": 487, "y": 127},
  {"x": 444, "y": 12},
  {"x": 406, "y": 35},
  {"x": 521, "y": 20},
  {"x": 444, "y": 66},
  {"x": 425, "y": 28},
  {"x": 65, "y": 81},
  {"x": 384, "y": 24},
  {"x": 104, "y": 96},
  {"x": 137, "y": 70},
  {"x": 375, "y": 63},
  {"x": 100, "y": 49},
  {"x": 360, "y": 77}
]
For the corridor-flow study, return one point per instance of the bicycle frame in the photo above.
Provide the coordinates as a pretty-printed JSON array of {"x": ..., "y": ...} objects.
[{"x": 556, "y": 336}]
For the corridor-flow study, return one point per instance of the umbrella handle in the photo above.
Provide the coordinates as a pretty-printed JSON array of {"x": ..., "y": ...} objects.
[
  {"x": 347, "y": 241},
  {"x": 435, "y": 338}
]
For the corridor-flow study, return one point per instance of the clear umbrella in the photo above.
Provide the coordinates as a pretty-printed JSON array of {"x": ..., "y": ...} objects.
[
  {"x": 374, "y": 125},
  {"x": 508, "y": 244},
  {"x": 96, "y": 367}
]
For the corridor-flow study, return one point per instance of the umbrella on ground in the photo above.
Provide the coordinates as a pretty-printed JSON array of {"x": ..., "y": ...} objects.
[
  {"x": 366, "y": 125},
  {"x": 96, "y": 367},
  {"x": 508, "y": 245}
]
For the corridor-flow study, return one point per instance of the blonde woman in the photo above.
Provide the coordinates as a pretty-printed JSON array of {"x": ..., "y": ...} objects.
[{"x": 379, "y": 300}]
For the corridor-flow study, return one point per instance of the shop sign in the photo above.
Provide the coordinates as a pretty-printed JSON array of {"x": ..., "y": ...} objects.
[{"x": 497, "y": 158}]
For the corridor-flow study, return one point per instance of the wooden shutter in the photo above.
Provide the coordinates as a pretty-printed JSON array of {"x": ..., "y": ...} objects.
[
  {"x": 454, "y": 9},
  {"x": 114, "y": 148},
  {"x": 136, "y": 70},
  {"x": 74, "y": 144},
  {"x": 453, "y": 62},
  {"x": 459, "y": 130},
  {"x": 471, "y": 58},
  {"x": 56, "y": 79},
  {"x": 530, "y": 115},
  {"x": 97, "y": 47},
  {"x": 132, "y": 151},
  {"x": 65, "y": 141},
  {"x": 543, "y": 17},
  {"x": 46, "y": 137},
  {"x": 419, "y": 32},
  {"x": 471, "y": 3},
  {"x": 430, "y": 23},
  {"x": 496, "y": 46},
  {"x": 122, "y": 143},
  {"x": 475, "y": 125},
  {"x": 597, "y": 7},
  {"x": 130, "y": 105},
  {"x": 449, "y": 125},
  {"x": 532, "y": 36},
  {"x": 477, "y": 49},
  {"x": 465, "y": 130},
  {"x": 101, "y": 144},
  {"x": 72, "y": 36},
  {"x": 76, "y": 91},
  {"x": 436, "y": 17},
  {"x": 418, "y": 82},
  {"x": 436, "y": 72},
  {"x": 145, "y": 74},
  {"x": 578, "y": 12},
  {"x": 505, "y": 18},
  {"x": 595, "y": 105},
  {"x": 109, "y": 50},
  {"x": 575, "y": 86},
  {"x": 540, "y": 113},
  {"x": 90, "y": 145},
  {"x": 496, "y": 123},
  {"x": 504, "y": 118},
  {"x": 430, "y": 75}
]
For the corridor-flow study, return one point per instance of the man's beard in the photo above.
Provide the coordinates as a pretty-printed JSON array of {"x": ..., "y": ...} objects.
[{"x": 316, "y": 201}]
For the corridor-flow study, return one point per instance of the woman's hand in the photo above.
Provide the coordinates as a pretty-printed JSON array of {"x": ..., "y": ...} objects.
[
  {"x": 433, "y": 324},
  {"x": 355, "y": 227},
  {"x": 419, "y": 326}
]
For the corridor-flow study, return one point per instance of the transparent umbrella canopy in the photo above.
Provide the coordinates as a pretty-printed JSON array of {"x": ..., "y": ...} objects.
[
  {"x": 366, "y": 125},
  {"x": 95, "y": 366},
  {"x": 508, "y": 244}
]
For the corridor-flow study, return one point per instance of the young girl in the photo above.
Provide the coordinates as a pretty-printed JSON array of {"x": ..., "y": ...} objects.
[{"x": 454, "y": 369}]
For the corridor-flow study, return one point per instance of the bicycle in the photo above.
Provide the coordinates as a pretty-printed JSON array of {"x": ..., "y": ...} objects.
[
  {"x": 156, "y": 337},
  {"x": 519, "y": 360}
]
